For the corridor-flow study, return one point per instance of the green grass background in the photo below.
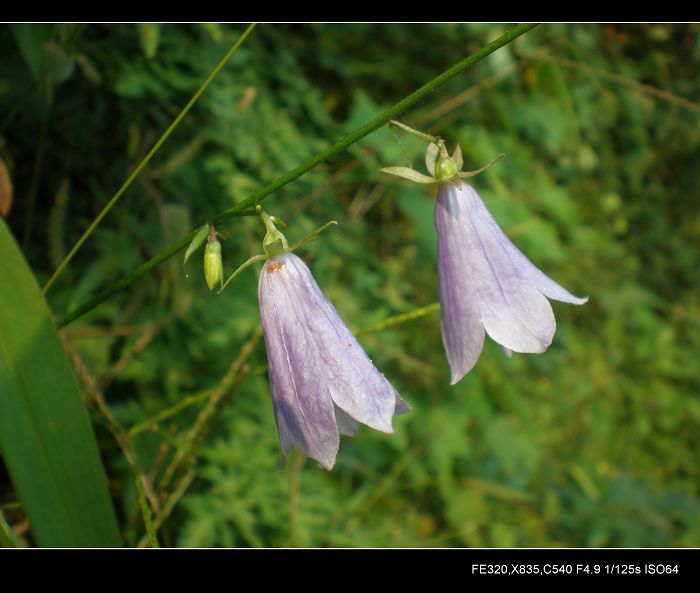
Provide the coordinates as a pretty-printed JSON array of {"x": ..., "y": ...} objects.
[{"x": 593, "y": 443}]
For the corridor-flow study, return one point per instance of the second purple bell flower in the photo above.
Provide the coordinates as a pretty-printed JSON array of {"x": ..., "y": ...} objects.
[{"x": 487, "y": 286}]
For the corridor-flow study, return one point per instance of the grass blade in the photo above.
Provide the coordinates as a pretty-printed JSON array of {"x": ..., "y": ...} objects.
[
  {"x": 45, "y": 433},
  {"x": 7, "y": 537}
]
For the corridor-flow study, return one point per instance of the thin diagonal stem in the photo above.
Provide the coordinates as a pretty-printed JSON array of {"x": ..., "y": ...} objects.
[
  {"x": 667, "y": 96},
  {"x": 148, "y": 157},
  {"x": 236, "y": 373},
  {"x": 132, "y": 276},
  {"x": 261, "y": 194},
  {"x": 398, "y": 319},
  {"x": 379, "y": 121}
]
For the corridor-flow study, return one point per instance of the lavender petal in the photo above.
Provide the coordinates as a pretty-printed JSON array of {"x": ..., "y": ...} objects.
[
  {"x": 346, "y": 425},
  {"x": 526, "y": 269},
  {"x": 462, "y": 328},
  {"x": 304, "y": 411},
  {"x": 401, "y": 407}
]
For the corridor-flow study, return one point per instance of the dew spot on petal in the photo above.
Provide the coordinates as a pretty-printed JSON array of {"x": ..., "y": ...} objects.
[{"x": 275, "y": 267}]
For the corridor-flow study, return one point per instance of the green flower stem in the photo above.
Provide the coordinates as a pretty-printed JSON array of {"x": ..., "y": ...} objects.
[
  {"x": 183, "y": 404},
  {"x": 398, "y": 319},
  {"x": 134, "y": 275},
  {"x": 410, "y": 130},
  {"x": 148, "y": 157},
  {"x": 7, "y": 537},
  {"x": 253, "y": 199},
  {"x": 379, "y": 121}
]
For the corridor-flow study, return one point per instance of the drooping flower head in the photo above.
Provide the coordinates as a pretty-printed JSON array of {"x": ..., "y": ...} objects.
[
  {"x": 486, "y": 284},
  {"x": 323, "y": 383}
]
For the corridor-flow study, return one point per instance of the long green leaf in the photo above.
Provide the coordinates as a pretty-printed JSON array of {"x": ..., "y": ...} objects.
[{"x": 45, "y": 433}]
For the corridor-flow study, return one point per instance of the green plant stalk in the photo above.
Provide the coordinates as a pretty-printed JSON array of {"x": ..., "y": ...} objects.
[
  {"x": 148, "y": 157},
  {"x": 185, "y": 403},
  {"x": 7, "y": 537},
  {"x": 398, "y": 319},
  {"x": 261, "y": 194},
  {"x": 378, "y": 121},
  {"x": 146, "y": 513},
  {"x": 34, "y": 186},
  {"x": 134, "y": 275}
]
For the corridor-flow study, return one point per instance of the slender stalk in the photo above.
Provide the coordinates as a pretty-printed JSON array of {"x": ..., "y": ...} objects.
[
  {"x": 256, "y": 197},
  {"x": 145, "y": 495},
  {"x": 234, "y": 376},
  {"x": 131, "y": 277},
  {"x": 169, "y": 412},
  {"x": 619, "y": 78},
  {"x": 8, "y": 539},
  {"x": 148, "y": 157},
  {"x": 410, "y": 130},
  {"x": 398, "y": 319},
  {"x": 169, "y": 505},
  {"x": 36, "y": 176},
  {"x": 379, "y": 121}
]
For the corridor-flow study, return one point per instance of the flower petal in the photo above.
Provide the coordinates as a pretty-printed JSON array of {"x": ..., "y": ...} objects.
[
  {"x": 316, "y": 364},
  {"x": 542, "y": 282},
  {"x": 401, "y": 407},
  {"x": 346, "y": 425},
  {"x": 304, "y": 410},
  {"x": 526, "y": 268},
  {"x": 514, "y": 312},
  {"x": 462, "y": 328}
]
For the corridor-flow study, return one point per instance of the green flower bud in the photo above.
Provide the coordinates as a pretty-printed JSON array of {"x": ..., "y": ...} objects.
[{"x": 213, "y": 267}]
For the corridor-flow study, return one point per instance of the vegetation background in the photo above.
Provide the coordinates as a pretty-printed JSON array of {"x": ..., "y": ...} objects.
[{"x": 593, "y": 443}]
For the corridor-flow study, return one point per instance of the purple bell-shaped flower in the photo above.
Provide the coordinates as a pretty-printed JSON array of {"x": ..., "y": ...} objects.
[
  {"x": 322, "y": 381},
  {"x": 486, "y": 284}
]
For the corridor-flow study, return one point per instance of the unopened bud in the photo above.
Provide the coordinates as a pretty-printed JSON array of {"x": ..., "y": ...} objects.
[{"x": 213, "y": 267}]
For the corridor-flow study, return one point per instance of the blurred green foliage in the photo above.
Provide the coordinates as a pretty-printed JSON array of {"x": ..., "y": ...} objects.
[{"x": 593, "y": 443}]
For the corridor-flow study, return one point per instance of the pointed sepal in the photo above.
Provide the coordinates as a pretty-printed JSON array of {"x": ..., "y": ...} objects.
[{"x": 408, "y": 173}]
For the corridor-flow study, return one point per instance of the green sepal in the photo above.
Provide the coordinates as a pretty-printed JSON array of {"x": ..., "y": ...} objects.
[
  {"x": 431, "y": 155},
  {"x": 256, "y": 258},
  {"x": 278, "y": 221},
  {"x": 247, "y": 264},
  {"x": 457, "y": 157},
  {"x": 409, "y": 174},
  {"x": 311, "y": 236},
  {"x": 199, "y": 238},
  {"x": 467, "y": 174}
]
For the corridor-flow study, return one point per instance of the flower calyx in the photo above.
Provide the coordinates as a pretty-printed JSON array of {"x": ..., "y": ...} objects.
[
  {"x": 274, "y": 242},
  {"x": 443, "y": 167}
]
